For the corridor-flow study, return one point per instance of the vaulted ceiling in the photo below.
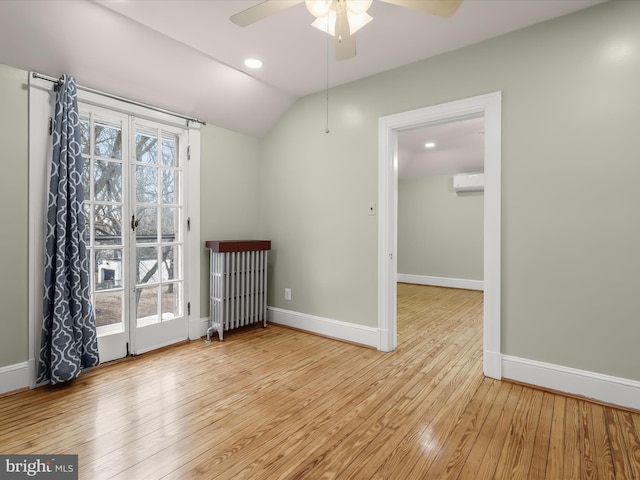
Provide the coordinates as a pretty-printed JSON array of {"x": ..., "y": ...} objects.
[{"x": 186, "y": 56}]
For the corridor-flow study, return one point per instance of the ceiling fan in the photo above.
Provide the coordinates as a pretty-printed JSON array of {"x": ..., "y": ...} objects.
[{"x": 341, "y": 18}]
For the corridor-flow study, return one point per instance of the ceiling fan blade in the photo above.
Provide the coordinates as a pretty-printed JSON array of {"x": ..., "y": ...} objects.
[
  {"x": 440, "y": 8},
  {"x": 261, "y": 10},
  {"x": 345, "y": 42}
]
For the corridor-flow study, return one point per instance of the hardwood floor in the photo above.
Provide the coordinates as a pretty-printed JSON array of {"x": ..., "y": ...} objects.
[{"x": 276, "y": 403}]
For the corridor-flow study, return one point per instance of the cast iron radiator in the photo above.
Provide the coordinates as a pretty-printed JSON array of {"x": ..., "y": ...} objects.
[{"x": 238, "y": 284}]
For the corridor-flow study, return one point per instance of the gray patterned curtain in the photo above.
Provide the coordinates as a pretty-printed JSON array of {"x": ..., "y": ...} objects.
[{"x": 69, "y": 339}]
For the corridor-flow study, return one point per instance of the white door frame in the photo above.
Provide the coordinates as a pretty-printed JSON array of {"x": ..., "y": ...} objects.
[{"x": 490, "y": 107}]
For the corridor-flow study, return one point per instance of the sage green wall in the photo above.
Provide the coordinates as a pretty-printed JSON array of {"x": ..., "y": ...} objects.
[
  {"x": 570, "y": 229},
  {"x": 439, "y": 231},
  {"x": 14, "y": 216},
  {"x": 317, "y": 189},
  {"x": 229, "y": 194}
]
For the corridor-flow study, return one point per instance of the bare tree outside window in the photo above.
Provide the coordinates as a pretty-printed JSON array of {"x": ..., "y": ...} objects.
[{"x": 156, "y": 178}]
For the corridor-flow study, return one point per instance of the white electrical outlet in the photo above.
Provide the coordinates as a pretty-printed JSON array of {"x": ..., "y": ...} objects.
[
  {"x": 287, "y": 294},
  {"x": 372, "y": 208}
]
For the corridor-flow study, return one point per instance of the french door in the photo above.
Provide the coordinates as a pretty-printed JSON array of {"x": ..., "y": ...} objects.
[{"x": 135, "y": 213}]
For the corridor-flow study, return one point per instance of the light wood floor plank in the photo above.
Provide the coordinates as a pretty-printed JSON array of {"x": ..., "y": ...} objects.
[
  {"x": 453, "y": 454},
  {"x": 479, "y": 446},
  {"x": 280, "y": 404},
  {"x": 515, "y": 459},
  {"x": 630, "y": 426},
  {"x": 602, "y": 445},
  {"x": 487, "y": 464},
  {"x": 556, "y": 453},
  {"x": 542, "y": 437},
  {"x": 572, "y": 447}
]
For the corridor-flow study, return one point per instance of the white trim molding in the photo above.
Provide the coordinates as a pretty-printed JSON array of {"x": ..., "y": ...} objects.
[
  {"x": 193, "y": 230},
  {"x": 595, "y": 386},
  {"x": 441, "y": 281},
  {"x": 488, "y": 106},
  {"x": 198, "y": 327},
  {"x": 15, "y": 377},
  {"x": 349, "y": 332}
]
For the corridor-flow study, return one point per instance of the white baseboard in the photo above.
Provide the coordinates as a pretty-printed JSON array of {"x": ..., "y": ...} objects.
[
  {"x": 441, "y": 281},
  {"x": 198, "y": 327},
  {"x": 492, "y": 364},
  {"x": 604, "y": 388},
  {"x": 15, "y": 377},
  {"x": 349, "y": 332}
]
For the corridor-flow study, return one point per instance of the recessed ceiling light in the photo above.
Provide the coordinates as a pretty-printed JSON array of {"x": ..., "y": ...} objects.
[
  {"x": 252, "y": 63},
  {"x": 429, "y": 145}
]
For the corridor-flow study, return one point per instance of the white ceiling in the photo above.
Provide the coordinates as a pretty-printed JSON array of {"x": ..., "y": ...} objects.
[
  {"x": 459, "y": 148},
  {"x": 186, "y": 56}
]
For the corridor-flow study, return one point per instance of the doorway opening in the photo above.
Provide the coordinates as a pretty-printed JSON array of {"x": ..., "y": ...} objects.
[{"x": 489, "y": 107}]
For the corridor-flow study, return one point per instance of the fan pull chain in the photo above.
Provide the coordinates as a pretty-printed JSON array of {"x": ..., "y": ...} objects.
[{"x": 327, "y": 90}]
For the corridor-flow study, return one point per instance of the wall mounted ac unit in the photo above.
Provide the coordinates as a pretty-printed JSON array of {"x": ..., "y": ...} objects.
[{"x": 468, "y": 182}]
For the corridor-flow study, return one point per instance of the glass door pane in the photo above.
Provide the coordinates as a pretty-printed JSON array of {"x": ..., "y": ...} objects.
[
  {"x": 158, "y": 307},
  {"x": 104, "y": 146}
]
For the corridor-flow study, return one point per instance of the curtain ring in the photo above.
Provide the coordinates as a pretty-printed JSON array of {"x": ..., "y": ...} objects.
[{"x": 58, "y": 85}]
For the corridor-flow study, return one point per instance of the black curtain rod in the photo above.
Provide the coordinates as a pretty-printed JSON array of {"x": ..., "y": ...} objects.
[{"x": 58, "y": 81}]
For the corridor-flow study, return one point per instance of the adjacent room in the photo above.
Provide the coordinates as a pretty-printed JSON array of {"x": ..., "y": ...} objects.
[{"x": 441, "y": 198}]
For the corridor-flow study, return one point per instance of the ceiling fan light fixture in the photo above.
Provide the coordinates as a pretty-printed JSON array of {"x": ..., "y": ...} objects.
[
  {"x": 327, "y": 24},
  {"x": 318, "y": 8},
  {"x": 357, "y": 21},
  {"x": 358, "y": 7}
]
